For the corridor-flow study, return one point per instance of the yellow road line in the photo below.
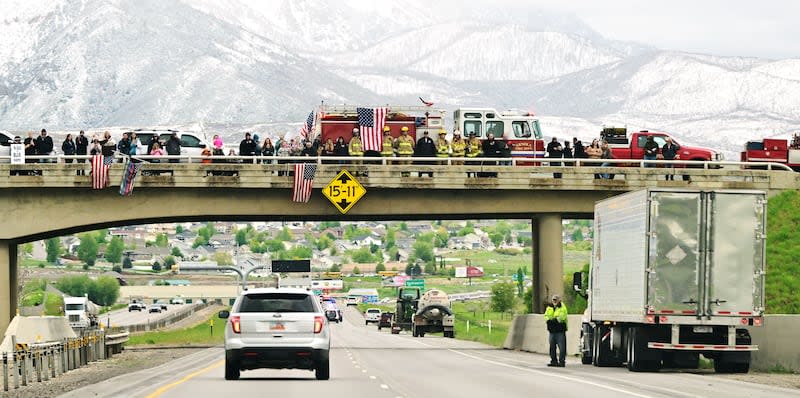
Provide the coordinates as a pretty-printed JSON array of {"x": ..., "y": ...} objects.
[{"x": 163, "y": 389}]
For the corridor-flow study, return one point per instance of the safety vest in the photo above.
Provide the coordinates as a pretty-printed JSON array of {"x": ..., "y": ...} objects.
[
  {"x": 355, "y": 147},
  {"x": 387, "y": 148},
  {"x": 405, "y": 146},
  {"x": 559, "y": 314},
  {"x": 442, "y": 148},
  {"x": 459, "y": 147},
  {"x": 474, "y": 148}
]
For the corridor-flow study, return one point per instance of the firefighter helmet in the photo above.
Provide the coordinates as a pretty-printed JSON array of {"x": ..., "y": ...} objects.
[
  {"x": 404, "y": 129},
  {"x": 386, "y": 129},
  {"x": 442, "y": 132}
]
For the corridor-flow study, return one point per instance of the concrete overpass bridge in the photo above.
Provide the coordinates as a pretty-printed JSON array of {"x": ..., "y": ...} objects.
[{"x": 57, "y": 201}]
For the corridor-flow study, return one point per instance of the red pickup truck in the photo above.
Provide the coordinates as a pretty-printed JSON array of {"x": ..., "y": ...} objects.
[{"x": 623, "y": 147}]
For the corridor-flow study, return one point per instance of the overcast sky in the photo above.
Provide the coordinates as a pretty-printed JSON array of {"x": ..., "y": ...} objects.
[{"x": 759, "y": 28}]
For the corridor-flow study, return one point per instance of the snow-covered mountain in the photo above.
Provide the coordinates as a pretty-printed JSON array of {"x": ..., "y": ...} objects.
[{"x": 68, "y": 64}]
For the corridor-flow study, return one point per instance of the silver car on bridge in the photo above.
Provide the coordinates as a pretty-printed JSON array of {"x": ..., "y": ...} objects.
[{"x": 276, "y": 328}]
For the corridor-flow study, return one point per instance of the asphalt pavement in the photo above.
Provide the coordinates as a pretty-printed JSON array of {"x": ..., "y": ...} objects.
[{"x": 369, "y": 363}]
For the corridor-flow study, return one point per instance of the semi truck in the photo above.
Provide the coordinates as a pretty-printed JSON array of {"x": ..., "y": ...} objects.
[
  {"x": 675, "y": 274},
  {"x": 81, "y": 312}
]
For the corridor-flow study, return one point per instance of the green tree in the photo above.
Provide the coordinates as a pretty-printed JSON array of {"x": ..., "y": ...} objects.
[
  {"x": 430, "y": 268},
  {"x": 335, "y": 268},
  {"x": 178, "y": 229},
  {"x": 496, "y": 238},
  {"x": 87, "y": 249},
  {"x": 441, "y": 237},
  {"x": 577, "y": 235},
  {"x": 503, "y": 297},
  {"x": 114, "y": 250},
  {"x": 53, "y": 246},
  {"x": 241, "y": 237},
  {"x": 169, "y": 261},
  {"x": 127, "y": 263},
  {"x": 390, "y": 239},
  {"x": 176, "y": 252},
  {"x": 423, "y": 251},
  {"x": 161, "y": 240},
  {"x": 324, "y": 242},
  {"x": 520, "y": 281},
  {"x": 334, "y": 251},
  {"x": 27, "y": 248},
  {"x": 100, "y": 236},
  {"x": 74, "y": 285},
  {"x": 468, "y": 229},
  {"x": 363, "y": 256},
  {"x": 413, "y": 270},
  {"x": 356, "y": 271},
  {"x": 222, "y": 258},
  {"x": 156, "y": 266},
  {"x": 104, "y": 291},
  {"x": 117, "y": 268},
  {"x": 403, "y": 226},
  {"x": 274, "y": 245},
  {"x": 285, "y": 235},
  {"x": 380, "y": 267}
]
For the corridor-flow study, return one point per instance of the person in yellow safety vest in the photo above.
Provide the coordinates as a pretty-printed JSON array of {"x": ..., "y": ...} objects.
[
  {"x": 442, "y": 146},
  {"x": 355, "y": 148},
  {"x": 474, "y": 149},
  {"x": 387, "y": 146},
  {"x": 556, "y": 318},
  {"x": 459, "y": 147}
]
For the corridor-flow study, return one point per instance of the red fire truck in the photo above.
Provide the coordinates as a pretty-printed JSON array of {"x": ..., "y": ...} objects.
[
  {"x": 774, "y": 150},
  {"x": 520, "y": 130}
]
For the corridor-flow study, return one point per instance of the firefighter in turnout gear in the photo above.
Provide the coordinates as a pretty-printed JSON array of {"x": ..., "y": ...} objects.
[
  {"x": 405, "y": 148},
  {"x": 442, "y": 146},
  {"x": 473, "y": 151},
  {"x": 355, "y": 148},
  {"x": 387, "y": 146},
  {"x": 459, "y": 147}
]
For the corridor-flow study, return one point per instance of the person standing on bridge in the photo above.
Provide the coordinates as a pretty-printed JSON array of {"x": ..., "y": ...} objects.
[
  {"x": 248, "y": 146},
  {"x": 425, "y": 148},
  {"x": 68, "y": 147},
  {"x": 81, "y": 148},
  {"x": 44, "y": 146},
  {"x": 556, "y": 318},
  {"x": 670, "y": 152},
  {"x": 174, "y": 147}
]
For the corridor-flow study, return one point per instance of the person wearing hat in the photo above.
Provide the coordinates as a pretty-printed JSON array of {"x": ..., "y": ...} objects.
[
  {"x": 387, "y": 145},
  {"x": 355, "y": 148},
  {"x": 556, "y": 318},
  {"x": 442, "y": 145},
  {"x": 405, "y": 147},
  {"x": 459, "y": 147},
  {"x": 473, "y": 150},
  {"x": 425, "y": 148}
]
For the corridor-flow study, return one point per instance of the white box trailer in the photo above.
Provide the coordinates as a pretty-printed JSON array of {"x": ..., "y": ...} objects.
[{"x": 675, "y": 274}]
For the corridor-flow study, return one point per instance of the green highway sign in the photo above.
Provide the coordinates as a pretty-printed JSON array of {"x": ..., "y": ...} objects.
[{"x": 420, "y": 283}]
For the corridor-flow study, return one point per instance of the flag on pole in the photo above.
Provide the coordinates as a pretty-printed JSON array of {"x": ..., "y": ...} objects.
[
  {"x": 100, "y": 166},
  {"x": 306, "y": 129},
  {"x": 303, "y": 181},
  {"x": 370, "y": 122},
  {"x": 128, "y": 177}
]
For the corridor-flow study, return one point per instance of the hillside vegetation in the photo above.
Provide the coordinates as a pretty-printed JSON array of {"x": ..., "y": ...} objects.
[{"x": 783, "y": 253}]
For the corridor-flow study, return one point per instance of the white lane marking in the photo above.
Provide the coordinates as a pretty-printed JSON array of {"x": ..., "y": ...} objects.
[
  {"x": 384, "y": 386},
  {"x": 643, "y": 386},
  {"x": 551, "y": 374},
  {"x": 364, "y": 371},
  {"x": 372, "y": 377}
]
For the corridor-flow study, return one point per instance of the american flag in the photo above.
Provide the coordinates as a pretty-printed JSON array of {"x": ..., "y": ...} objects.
[
  {"x": 306, "y": 129},
  {"x": 100, "y": 166},
  {"x": 303, "y": 182},
  {"x": 128, "y": 177},
  {"x": 370, "y": 122}
]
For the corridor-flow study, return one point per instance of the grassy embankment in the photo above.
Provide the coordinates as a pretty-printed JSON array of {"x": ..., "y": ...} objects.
[
  {"x": 200, "y": 334},
  {"x": 783, "y": 253}
]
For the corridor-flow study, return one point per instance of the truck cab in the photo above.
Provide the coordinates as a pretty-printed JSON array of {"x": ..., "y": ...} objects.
[
  {"x": 520, "y": 130},
  {"x": 623, "y": 147}
]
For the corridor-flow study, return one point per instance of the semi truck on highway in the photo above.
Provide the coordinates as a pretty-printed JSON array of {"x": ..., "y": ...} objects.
[
  {"x": 81, "y": 312},
  {"x": 675, "y": 274}
]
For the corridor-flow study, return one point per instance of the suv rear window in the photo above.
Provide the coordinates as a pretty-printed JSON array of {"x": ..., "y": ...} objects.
[
  {"x": 373, "y": 311},
  {"x": 277, "y": 302}
]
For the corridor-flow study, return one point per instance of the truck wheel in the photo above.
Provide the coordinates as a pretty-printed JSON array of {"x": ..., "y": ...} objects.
[
  {"x": 231, "y": 370},
  {"x": 586, "y": 344},
  {"x": 637, "y": 344},
  {"x": 322, "y": 369},
  {"x": 602, "y": 353},
  {"x": 366, "y": 323}
]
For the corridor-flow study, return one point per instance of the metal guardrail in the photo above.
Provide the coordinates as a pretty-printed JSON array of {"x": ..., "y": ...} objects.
[
  {"x": 176, "y": 317},
  {"x": 41, "y": 362}
]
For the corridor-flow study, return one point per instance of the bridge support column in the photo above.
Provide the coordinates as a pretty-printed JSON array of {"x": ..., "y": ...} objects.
[
  {"x": 8, "y": 283},
  {"x": 548, "y": 266}
]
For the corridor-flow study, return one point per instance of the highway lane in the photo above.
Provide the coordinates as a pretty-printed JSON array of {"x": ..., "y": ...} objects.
[
  {"x": 368, "y": 363},
  {"x": 124, "y": 318}
]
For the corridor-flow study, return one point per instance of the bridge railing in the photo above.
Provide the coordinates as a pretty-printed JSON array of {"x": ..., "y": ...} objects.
[{"x": 403, "y": 173}]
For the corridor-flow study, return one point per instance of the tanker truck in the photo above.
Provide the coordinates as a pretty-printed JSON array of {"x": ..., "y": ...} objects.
[
  {"x": 81, "y": 312},
  {"x": 675, "y": 274},
  {"x": 433, "y": 314}
]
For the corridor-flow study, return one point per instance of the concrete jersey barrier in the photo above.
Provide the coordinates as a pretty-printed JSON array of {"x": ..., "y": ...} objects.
[{"x": 36, "y": 329}]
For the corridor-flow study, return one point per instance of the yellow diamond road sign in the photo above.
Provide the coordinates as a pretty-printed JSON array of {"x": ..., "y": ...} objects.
[{"x": 344, "y": 191}]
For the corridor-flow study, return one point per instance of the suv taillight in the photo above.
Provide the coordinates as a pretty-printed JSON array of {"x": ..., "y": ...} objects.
[
  {"x": 318, "y": 322},
  {"x": 236, "y": 324}
]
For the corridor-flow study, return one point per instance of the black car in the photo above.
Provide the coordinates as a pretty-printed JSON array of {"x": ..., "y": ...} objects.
[{"x": 332, "y": 315}]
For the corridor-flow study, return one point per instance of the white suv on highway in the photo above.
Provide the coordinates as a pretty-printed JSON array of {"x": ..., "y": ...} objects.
[
  {"x": 277, "y": 329},
  {"x": 372, "y": 315}
]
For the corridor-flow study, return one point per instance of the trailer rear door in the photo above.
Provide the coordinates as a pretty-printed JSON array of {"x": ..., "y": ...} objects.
[
  {"x": 675, "y": 253},
  {"x": 735, "y": 271}
]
